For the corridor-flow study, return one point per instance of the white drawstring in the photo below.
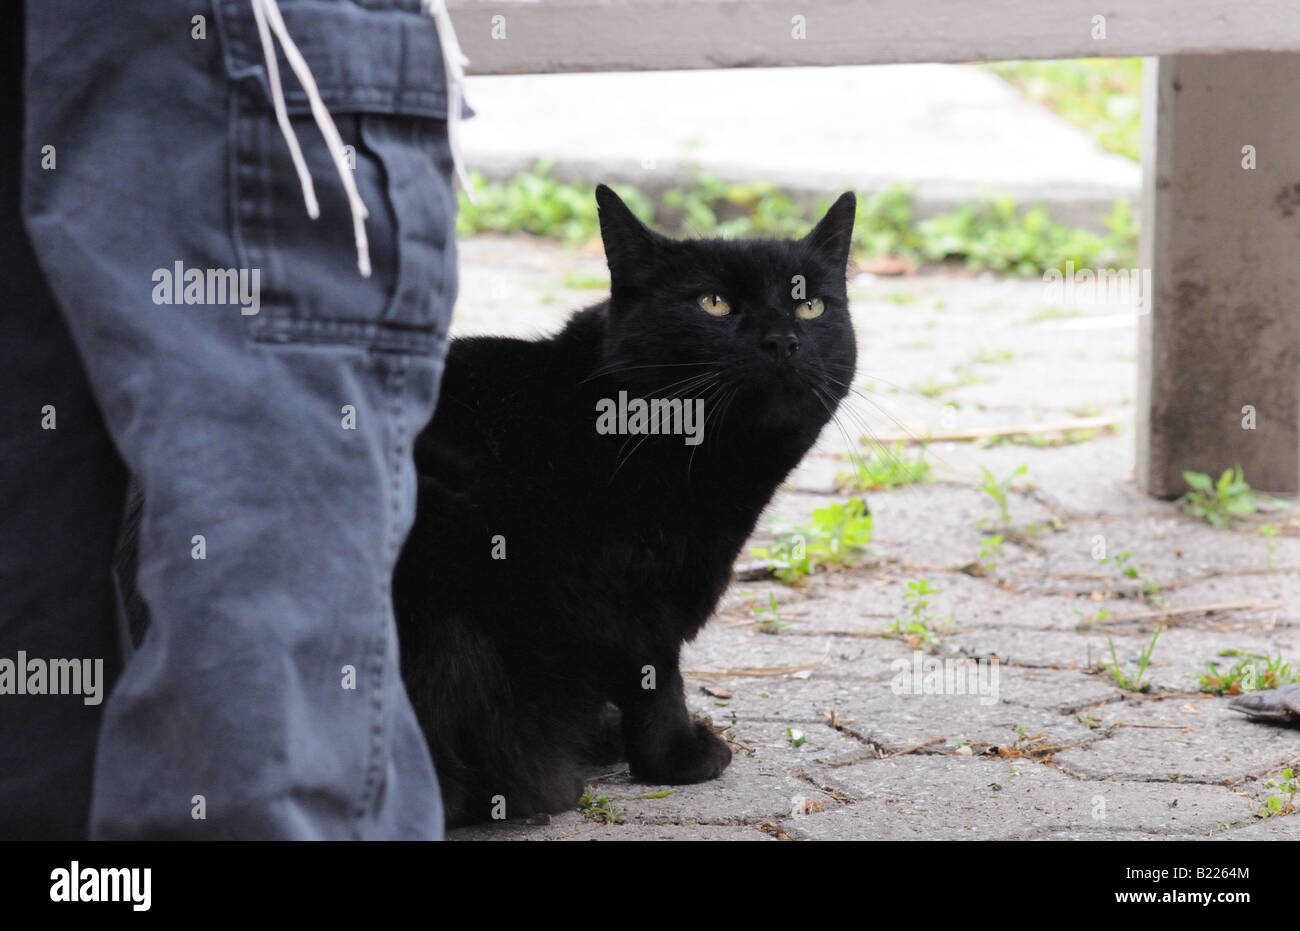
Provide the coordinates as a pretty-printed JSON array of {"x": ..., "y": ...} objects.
[
  {"x": 267, "y": 13},
  {"x": 454, "y": 62},
  {"x": 269, "y": 21}
]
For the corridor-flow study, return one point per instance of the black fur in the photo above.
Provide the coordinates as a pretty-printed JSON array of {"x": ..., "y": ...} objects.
[{"x": 617, "y": 547}]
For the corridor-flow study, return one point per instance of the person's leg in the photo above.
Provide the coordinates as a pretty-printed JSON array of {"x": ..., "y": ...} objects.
[
  {"x": 269, "y": 431},
  {"x": 61, "y": 491}
]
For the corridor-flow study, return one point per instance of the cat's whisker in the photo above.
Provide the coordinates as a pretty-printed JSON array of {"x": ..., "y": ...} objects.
[
  {"x": 726, "y": 408},
  {"x": 873, "y": 402},
  {"x": 710, "y": 422},
  {"x": 689, "y": 381},
  {"x": 854, "y": 391},
  {"x": 681, "y": 386},
  {"x": 834, "y": 417},
  {"x": 629, "y": 456},
  {"x": 691, "y": 459},
  {"x": 857, "y": 420},
  {"x": 824, "y": 398},
  {"x": 861, "y": 425},
  {"x": 619, "y": 456},
  {"x": 706, "y": 386},
  {"x": 869, "y": 436},
  {"x": 616, "y": 369},
  {"x": 899, "y": 424},
  {"x": 719, "y": 409},
  {"x": 874, "y": 378}
]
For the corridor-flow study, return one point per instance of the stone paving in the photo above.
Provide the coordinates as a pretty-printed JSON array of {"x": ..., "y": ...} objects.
[{"x": 1060, "y": 751}]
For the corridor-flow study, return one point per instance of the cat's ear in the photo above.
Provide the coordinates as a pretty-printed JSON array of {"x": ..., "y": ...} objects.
[
  {"x": 833, "y": 235},
  {"x": 628, "y": 241}
]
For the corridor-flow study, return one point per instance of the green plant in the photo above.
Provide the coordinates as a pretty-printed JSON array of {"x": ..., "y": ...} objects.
[
  {"x": 1150, "y": 588},
  {"x": 709, "y": 206},
  {"x": 586, "y": 282},
  {"x": 1043, "y": 440},
  {"x": 991, "y": 551},
  {"x": 1092, "y": 619},
  {"x": 883, "y": 468},
  {"x": 1269, "y": 532},
  {"x": 999, "y": 488},
  {"x": 773, "y": 623},
  {"x": 1102, "y": 96},
  {"x": 837, "y": 534},
  {"x": 919, "y": 628},
  {"x": 885, "y": 225},
  {"x": 993, "y": 234},
  {"x": 1024, "y": 737},
  {"x": 599, "y": 808},
  {"x": 1117, "y": 672},
  {"x": 534, "y": 202},
  {"x": 997, "y": 235},
  {"x": 797, "y": 737},
  {"x": 1248, "y": 674},
  {"x": 1218, "y": 502},
  {"x": 1284, "y": 802},
  {"x": 1055, "y": 313},
  {"x": 932, "y": 389}
]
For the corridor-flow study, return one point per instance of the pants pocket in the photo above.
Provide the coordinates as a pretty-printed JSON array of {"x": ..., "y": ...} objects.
[{"x": 311, "y": 288}]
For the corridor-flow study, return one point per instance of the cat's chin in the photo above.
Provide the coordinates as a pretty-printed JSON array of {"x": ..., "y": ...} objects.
[{"x": 788, "y": 404}]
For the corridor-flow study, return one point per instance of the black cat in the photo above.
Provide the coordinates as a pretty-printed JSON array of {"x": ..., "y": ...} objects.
[{"x": 555, "y": 568}]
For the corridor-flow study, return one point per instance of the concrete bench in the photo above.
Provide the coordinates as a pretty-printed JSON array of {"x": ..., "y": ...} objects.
[{"x": 1219, "y": 344}]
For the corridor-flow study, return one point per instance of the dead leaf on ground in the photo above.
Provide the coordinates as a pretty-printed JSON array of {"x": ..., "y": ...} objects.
[{"x": 887, "y": 265}]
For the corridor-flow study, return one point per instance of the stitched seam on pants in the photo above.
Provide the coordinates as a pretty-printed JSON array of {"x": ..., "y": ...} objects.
[{"x": 395, "y": 381}]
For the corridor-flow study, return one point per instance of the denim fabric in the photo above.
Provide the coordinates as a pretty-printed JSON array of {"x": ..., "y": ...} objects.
[{"x": 267, "y": 681}]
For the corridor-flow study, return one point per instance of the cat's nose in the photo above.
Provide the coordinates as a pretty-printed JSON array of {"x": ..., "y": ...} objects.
[{"x": 781, "y": 346}]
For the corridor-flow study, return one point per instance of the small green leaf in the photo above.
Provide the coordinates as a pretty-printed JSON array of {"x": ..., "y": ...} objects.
[{"x": 1198, "y": 480}]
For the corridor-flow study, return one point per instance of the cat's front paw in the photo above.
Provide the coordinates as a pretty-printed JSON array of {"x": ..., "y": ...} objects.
[{"x": 694, "y": 754}]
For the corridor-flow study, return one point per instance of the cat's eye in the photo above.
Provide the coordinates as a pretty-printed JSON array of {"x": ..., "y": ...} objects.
[
  {"x": 712, "y": 304},
  {"x": 809, "y": 310}
]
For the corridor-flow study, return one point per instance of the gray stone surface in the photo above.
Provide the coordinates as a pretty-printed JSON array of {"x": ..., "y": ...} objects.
[
  {"x": 967, "y": 798},
  {"x": 1096, "y": 761}
]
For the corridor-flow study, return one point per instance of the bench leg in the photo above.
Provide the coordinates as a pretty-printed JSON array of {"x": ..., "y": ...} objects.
[{"x": 1219, "y": 343}]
